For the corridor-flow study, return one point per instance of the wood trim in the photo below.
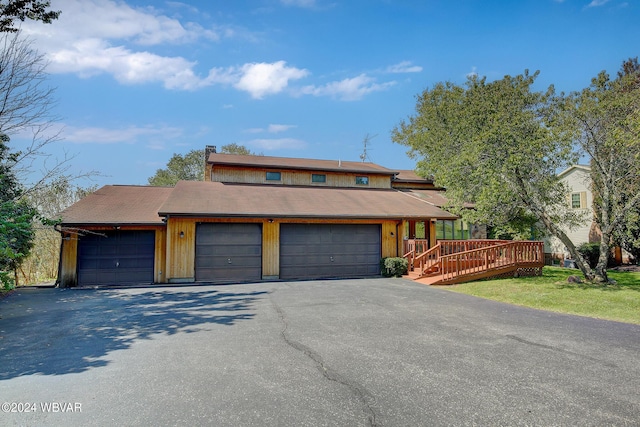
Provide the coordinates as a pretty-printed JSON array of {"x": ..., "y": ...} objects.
[
  {"x": 270, "y": 249},
  {"x": 69, "y": 261}
]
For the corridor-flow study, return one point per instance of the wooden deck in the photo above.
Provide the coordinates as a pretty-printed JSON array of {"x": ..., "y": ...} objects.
[{"x": 457, "y": 261}]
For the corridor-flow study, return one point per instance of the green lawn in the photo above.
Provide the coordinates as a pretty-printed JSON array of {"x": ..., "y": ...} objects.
[{"x": 551, "y": 291}]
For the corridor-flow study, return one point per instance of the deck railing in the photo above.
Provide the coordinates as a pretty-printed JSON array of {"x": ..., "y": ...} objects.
[
  {"x": 418, "y": 246},
  {"x": 488, "y": 260},
  {"x": 454, "y": 246},
  {"x": 453, "y": 259},
  {"x": 425, "y": 260}
]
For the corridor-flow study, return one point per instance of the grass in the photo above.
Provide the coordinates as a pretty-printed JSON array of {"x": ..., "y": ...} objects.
[{"x": 552, "y": 292}]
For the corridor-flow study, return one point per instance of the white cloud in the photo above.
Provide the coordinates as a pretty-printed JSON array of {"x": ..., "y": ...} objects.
[
  {"x": 96, "y": 36},
  {"x": 596, "y": 3},
  {"x": 106, "y": 19},
  {"x": 128, "y": 135},
  {"x": 278, "y": 144},
  {"x": 299, "y": 3},
  {"x": 348, "y": 89},
  {"x": 272, "y": 128},
  {"x": 279, "y": 128},
  {"x": 260, "y": 79},
  {"x": 404, "y": 67},
  {"x": 91, "y": 57},
  {"x": 473, "y": 72}
]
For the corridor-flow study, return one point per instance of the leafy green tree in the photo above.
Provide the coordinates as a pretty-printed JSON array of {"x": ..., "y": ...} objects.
[
  {"x": 607, "y": 115},
  {"x": 190, "y": 167},
  {"x": 628, "y": 233},
  {"x": 16, "y": 238},
  {"x": 234, "y": 148},
  {"x": 499, "y": 145},
  {"x": 10, "y": 10},
  {"x": 16, "y": 218}
]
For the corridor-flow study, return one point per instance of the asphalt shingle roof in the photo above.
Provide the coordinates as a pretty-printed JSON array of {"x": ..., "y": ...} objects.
[
  {"x": 246, "y": 200},
  {"x": 297, "y": 164},
  {"x": 118, "y": 204}
]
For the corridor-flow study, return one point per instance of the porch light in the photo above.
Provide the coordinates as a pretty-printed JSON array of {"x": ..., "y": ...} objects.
[{"x": 182, "y": 234}]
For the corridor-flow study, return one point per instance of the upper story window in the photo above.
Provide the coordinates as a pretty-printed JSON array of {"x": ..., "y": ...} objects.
[
  {"x": 579, "y": 200},
  {"x": 362, "y": 180},
  {"x": 316, "y": 177},
  {"x": 274, "y": 176}
]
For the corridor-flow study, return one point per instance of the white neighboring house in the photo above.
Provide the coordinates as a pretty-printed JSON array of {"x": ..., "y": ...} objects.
[
  {"x": 578, "y": 178},
  {"x": 580, "y": 197}
]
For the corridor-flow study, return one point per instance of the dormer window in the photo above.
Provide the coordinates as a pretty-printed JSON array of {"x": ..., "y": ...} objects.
[
  {"x": 316, "y": 177},
  {"x": 274, "y": 176},
  {"x": 362, "y": 180}
]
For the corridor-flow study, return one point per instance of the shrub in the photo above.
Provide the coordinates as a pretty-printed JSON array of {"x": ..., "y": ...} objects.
[
  {"x": 394, "y": 267},
  {"x": 591, "y": 253}
]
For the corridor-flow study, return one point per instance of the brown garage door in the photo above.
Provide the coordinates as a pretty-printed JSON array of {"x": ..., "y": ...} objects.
[
  {"x": 314, "y": 251},
  {"x": 116, "y": 257},
  {"x": 228, "y": 252}
]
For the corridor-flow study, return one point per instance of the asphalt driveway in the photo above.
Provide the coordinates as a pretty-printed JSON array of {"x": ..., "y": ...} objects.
[{"x": 384, "y": 352}]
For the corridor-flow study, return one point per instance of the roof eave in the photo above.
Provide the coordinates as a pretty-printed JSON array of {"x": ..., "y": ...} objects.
[{"x": 304, "y": 216}]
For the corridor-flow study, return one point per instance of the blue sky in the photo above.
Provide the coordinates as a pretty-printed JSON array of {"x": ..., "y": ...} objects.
[{"x": 137, "y": 81}]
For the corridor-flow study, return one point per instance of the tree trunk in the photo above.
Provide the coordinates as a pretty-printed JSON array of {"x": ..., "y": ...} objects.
[
  {"x": 582, "y": 264},
  {"x": 603, "y": 259}
]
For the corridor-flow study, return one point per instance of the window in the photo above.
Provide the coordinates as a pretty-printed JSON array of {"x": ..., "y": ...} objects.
[
  {"x": 273, "y": 176},
  {"x": 579, "y": 200},
  {"x": 362, "y": 180},
  {"x": 318, "y": 178},
  {"x": 452, "y": 230}
]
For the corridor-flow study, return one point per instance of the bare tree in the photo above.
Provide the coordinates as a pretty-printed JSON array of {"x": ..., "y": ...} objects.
[
  {"x": 26, "y": 110},
  {"x": 42, "y": 262}
]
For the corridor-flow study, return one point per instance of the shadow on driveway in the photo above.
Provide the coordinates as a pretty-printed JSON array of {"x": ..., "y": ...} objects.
[{"x": 58, "y": 331}]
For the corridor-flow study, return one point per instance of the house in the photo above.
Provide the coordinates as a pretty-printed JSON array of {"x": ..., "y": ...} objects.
[
  {"x": 579, "y": 199},
  {"x": 252, "y": 218}
]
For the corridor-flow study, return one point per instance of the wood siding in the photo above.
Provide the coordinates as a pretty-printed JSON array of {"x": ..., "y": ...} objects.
[
  {"x": 68, "y": 261},
  {"x": 174, "y": 259},
  {"x": 181, "y": 249},
  {"x": 294, "y": 177},
  {"x": 270, "y": 250},
  {"x": 390, "y": 239},
  {"x": 161, "y": 256}
]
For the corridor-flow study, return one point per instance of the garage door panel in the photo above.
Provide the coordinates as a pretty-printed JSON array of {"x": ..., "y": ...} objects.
[
  {"x": 128, "y": 250},
  {"x": 135, "y": 263},
  {"x": 116, "y": 257},
  {"x": 107, "y": 250},
  {"x": 228, "y": 252},
  {"x": 329, "y": 250}
]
